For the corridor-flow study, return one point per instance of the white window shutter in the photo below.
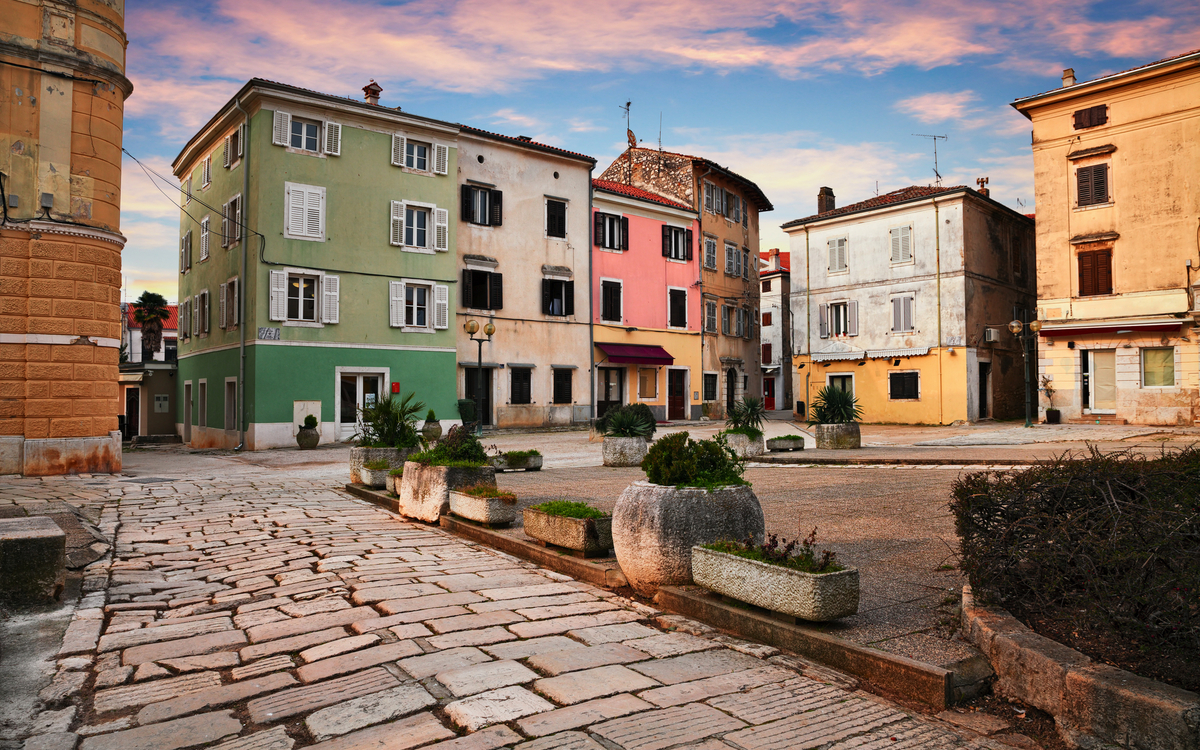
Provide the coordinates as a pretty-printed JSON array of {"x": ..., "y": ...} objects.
[
  {"x": 852, "y": 323},
  {"x": 908, "y": 314},
  {"x": 235, "y": 317},
  {"x": 842, "y": 263},
  {"x": 441, "y": 306},
  {"x": 396, "y": 304},
  {"x": 330, "y": 292},
  {"x": 397, "y": 150},
  {"x": 183, "y": 253},
  {"x": 906, "y": 243},
  {"x": 333, "y": 139},
  {"x": 204, "y": 232},
  {"x": 441, "y": 222},
  {"x": 295, "y": 212},
  {"x": 897, "y": 313},
  {"x": 314, "y": 213},
  {"x": 397, "y": 237},
  {"x": 207, "y": 179},
  {"x": 237, "y": 217},
  {"x": 241, "y": 149},
  {"x": 279, "y": 295},
  {"x": 188, "y": 250},
  {"x": 223, "y": 308},
  {"x": 225, "y": 225},
  {"x": 196, "y": 315},
  {"x": 895, "y": 236},
  {"x": 206, "y": 316},
  {"x": 227, "y": 158},
  {"x": 441, "y": 159},
  {"x": 281, "y": 128},
  {"x": 823, "y": 321}
]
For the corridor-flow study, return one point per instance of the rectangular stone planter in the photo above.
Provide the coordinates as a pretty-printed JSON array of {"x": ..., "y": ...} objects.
[
  {"x": 425, "y": 490},
  {"x": 391, "y": 484},
  {"x": 529, "y": 463},
  {"x": 817, "y": 597},
  {"x": 494, "y": 511},
  {"x": 32, "y": 560},
  {"x": 374, "y": 478},
  {"x": 359, "y": 456},
  {"x": 745, "y": 446},
  {"x": 781, "y": 444},
  {"x": 591, "y": 537}
]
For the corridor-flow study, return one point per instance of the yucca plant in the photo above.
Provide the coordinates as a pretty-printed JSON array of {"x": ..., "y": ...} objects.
[
  {"x": 747, "y": 416},
  {"x": 834, "y": 406},
  {"x": 390, "y": 422},
  {"x": 624, "y": 423}
]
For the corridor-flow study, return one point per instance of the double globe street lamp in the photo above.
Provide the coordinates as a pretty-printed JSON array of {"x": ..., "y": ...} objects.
[
  {"x": 472, "y": 328},
  {"x": 1026, "y": 337}
]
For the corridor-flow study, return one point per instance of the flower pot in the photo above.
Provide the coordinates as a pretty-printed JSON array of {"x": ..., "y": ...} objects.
[
  {"x": 432, "y": 430},
  {"x": 528, "y": 463},
  {"x": 624, "y": 451},
  {"x": 785, "y": 444},
  {"x": 591, "y": 536},
  {"x": 838, "y": 436},
  {"x": 490, "y": 510},
  {"x": 655, "y": 528},
  {"x": 744, "y": 445},
  {"x": 425, "y": 490},
  {"x": 307, "y": 438},
  {"x": 359, "y": 456},
  {"x": 1053, "y": 416},
  {"x": 809, "y": 596},
  {"x": 373, "y": 478},
  {"x": 390, "y": 483}
]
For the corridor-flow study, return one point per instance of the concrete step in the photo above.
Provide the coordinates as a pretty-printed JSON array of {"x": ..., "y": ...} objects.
[{"x": 1098, "y": 419}]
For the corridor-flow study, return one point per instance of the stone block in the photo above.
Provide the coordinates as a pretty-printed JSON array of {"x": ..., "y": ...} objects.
[
  {"x": 171, "y": 735},
  {"x": 710, "y": 687},
  {"x": 495, "y": 707},
  {"x": 524, "y": 649},
  {"x": 289, "y": 645},
  {"x": 576, "y": 622},
  {"x": 298, "y": 700},
  {"x": 12, "y": 453},
  {"x": 671, "y": 644},
  {"x": 350, "y": 662},
  {"x": 338, "y": 647},
  {"x": 808, "y": 596},
  {"x": 52, "y": 741},
  {"x": 575, "y": 659},
  {"x": 299, "y": 625},
  {"x": 581, "y": 715},
  {"x": 421, "y": 667},
  {"x": 575, "y": 687},
  {"x": 368, "y": 710},
  {"x": 591, "y": 536},
  {"x": 696, "y": 666},
  {"x": 129, "y": 638},
  {"x": 472, "y": 622},
  {"x": 594, "y": 636},
  {"x": 201, "y": 644},
  {"x": 32, "y": 560},
  {"x": 129, "y": 696},
  {"x": 466, "y": 681},
  {"x": 627, "y": 451},
  {"x": 275, "y": 738},
  {"x": 487, "y": 739},
  {"x": 263, "y": 666},
  {"x": 667, "y": 727},
  {"x": 473, "y": 637},
  {"x": 397, "y": 735},
  {"x": 425, "y": 490},
  {"x": 212, "y": 697},
  {"x": 565, "y": 741}
]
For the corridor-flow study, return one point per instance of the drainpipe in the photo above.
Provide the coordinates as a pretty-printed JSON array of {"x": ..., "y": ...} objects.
[
  {"x": 699, "y": 193},
  {"x": 807, "y": 321},
  {"x": 591, "y": 296},
  {"x": 937, "y": 234},
  {"x": 242, "y": 281}
]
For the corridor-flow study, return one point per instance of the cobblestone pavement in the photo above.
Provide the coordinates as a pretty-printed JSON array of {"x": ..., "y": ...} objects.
[{"x": 252, "y": 611}]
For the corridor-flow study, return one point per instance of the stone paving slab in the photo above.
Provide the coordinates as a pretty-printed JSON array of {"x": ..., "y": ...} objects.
[
  {"x": 655, "y": 730},
  {"x": 466, "y": 681},
  {"x": 368, "y": 710},
  {"x": 129, "y": 696},
  {"x": 575, "y": 687},
  {"x": 302, "y": 699},
  {"x": 398, "y": 735},
  {"x": 214, "y": 697},
  {"x": 496, "y": 706},
  {"x": 582, "y": 714},
  {"x": 573, "y": 659},
  {"x": 172, "y": 735}
]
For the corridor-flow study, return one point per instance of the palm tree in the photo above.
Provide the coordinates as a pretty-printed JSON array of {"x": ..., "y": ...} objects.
[{"x": 150, "y": 311}]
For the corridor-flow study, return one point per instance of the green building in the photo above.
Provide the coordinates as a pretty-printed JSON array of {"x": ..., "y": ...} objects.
[{"x": 317, "y": 263}]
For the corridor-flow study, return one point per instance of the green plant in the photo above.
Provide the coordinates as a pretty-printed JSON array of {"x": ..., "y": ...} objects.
[
  {"x": 749, "y": 432},
  {"x": 376, "y": 465},
  {"x": 490, "y": 491},
  {"x": 628, "y": 423},
  {"x": 798, "y": 554},
  {"x": 459, "y": 448},
  {"x": 390, "y": 422},
  {"x": 430, "y": 416},
  {"x": 747, "y": 416},
  {"x": 1048, "y": 387},
  {"x": 520, "y": 455},
  {"x": 310, "y": 422},
  {"x": 678, "y": 461},
  {"x": 150, "y": 311},
  {"x": 790, "y": 437},
  {"x": 569, "y": 509},
  {"x": 834, "y": 406},
  {"x": 636, "y": 408},
  {"x": 397, "y": 472}
]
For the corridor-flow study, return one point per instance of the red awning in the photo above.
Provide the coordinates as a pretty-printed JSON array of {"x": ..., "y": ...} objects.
[{"x": 636, "y": 354}]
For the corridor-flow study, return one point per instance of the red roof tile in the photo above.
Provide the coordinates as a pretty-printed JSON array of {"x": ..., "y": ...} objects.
[
  {"x": 170, "y": 324},
  {"x": 526, "y": 142},
  {"x": 914, "y": 192},
  {"x": 634, "y": 192}
]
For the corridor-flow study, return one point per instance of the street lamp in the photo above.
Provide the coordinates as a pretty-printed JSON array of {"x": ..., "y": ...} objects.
[
  {"x": 1026, "y": 340},
  {"x": 472, "y": 327}
]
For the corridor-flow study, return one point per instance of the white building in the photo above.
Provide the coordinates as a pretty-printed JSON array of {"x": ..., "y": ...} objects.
[
  {"x": 776, "y": 330},
  {"x": 131, "y": 335}
]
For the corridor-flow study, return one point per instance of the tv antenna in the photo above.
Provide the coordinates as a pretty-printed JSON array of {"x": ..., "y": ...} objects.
[
  {"x": 632, "y": 143},
  {"x": 936, "y": 174}
]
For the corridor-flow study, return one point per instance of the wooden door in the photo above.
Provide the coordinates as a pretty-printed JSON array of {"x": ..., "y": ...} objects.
[
  {"x": 676, "y": 394},
  {"x": 769, "y": 393},
  {"x": 1104, "y": 381},
  {"x": 611, "y": 394}
]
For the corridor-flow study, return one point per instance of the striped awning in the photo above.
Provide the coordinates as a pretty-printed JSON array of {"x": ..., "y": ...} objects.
[
  {"x": 836, "y": 356},
  {"x": 893, "y": 353}
]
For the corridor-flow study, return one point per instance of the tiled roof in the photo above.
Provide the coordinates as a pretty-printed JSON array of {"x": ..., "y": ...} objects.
[
  {"x": 526, "y": 142},
  {"x": 633, "y": 192},
  {"x": 1172, "y": 58},
  {"x": 170, "y": 324},
  {"x": 758, "y": 196},
  {"x": 915, "y": 192}
]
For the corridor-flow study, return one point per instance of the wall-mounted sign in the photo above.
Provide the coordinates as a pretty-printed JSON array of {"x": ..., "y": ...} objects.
[{"x": 268, "y": 334}]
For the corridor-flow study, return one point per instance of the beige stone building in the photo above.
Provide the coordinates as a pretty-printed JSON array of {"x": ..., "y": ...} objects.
[
  {"x": 62, "y": 97},
  {"x": 1118, "y": 259}
]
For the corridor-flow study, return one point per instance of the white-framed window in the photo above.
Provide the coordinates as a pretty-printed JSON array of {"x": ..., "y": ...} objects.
[
  {"x": 231, "y": 222},
  {"x": 902, "y": 314},
  {"x": 677, "y": 316},
  {"x": 901, "y": 244},
  {"x": 482, "y": 205},
  {"x": 206, "y": 172},
  {"x": 710, "y": 316},
  {"x": 710, "y": 252},
  {"x": 838, "y": 319},
  {"x": 187, "y": 190},
  {"x": 234, "y": 144},
  {"x": 305, "y": 135},
  {"x": 416, "y": 155},
  {"x": 420, "y": 227},
  {"x": 304, "y": 212},
  {"x": 1158, "y": 367},
  {"x": 416, "y": 226},
  {"x": 204, "y": 233},
  {"x": 837, "y": 255},
  {"x": 418, "y": 306},
  {"x": 302, "y": 297},
  {"x": 202, "y": 313},
  {"x": 676, "y": 243},
  {"x": 611, "y": 231}
]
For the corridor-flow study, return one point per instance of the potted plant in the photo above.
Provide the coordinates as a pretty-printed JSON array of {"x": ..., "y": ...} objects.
[
  {"x": 455, "y": 461},
  {"x": 786, "y": 443},
  {"x": 694, "y": 493},
  {"x": 387, "y": 431},
  {"x": 375, "y": 473},
  {"x": 744, "y": 427},
  {"x": 307, "y": 436},
  {"x": 529, "y": 460},
  {"x": 571, "y": 525},
  {"x": 625, "y": 431},
  {"x": 834, "y": 416},
  {"x": 799, "y": 583},
  {"x": 433, "y": 428},
  {"x": 484, "y": 503},
  {"x": 1053, "y": 416},
  {"x": 393, "y": 478}
]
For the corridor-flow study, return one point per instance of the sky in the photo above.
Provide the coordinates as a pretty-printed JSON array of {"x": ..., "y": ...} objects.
[{"x": 792, "y": 94}]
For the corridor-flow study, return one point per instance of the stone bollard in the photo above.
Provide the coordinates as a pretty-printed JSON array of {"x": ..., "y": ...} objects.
[{"x": 33, "y": 556}]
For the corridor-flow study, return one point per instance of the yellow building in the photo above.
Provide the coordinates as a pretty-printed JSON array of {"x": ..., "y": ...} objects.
[
  {"x": 62, "y": 97},
  {"x": 1115, "y": 165}
]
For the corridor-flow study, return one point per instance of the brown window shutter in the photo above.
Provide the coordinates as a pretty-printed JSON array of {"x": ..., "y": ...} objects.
[
  {"x": 1104, "y": 272},
  {"x": 1100, "y": 183},
  {"x": 1083, "y": 178},
  {"x": 1087, "y": 274}
]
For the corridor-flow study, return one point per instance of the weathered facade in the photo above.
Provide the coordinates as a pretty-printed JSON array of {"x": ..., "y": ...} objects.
[
  {"x": 904, "y": 298},
  {"x": 1117, "y": 205},
  {"x": 775, "y": 281},
  {"x": 62, "y": 96}
]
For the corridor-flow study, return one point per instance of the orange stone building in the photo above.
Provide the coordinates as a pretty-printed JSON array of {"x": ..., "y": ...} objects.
[{"x": 62, "y": 97}]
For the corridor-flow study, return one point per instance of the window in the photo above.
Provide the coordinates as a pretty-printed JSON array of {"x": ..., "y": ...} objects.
[
  {"x": 304, "y": 135},
  {"x": 556, "y": 218},
  {"x": 710, "y": 316},
  {"x": 740, "y": 322},
  {"x": 171, "y": 349},
  {"x": 837, "y": 254},
  {"x": 233, "y": 146},
  {"x": 842, "y": 383},
  {"x": 420, "y": 225},
  {"x": 1158, "y": 368},
  {"x": 302, "y": 298},
  {"x": 418, "y": 306},
  {"x": 676, "y": 243},
  {"x": 902, "y": 314},
  {"x": 732, "y": 259},
  {"x": 647, "y": 384},
  {"x": 611, "y": 232},
  {"x": 562, "y": 385},
  {"x": 231, "y": 404},
  {"x": 677, "y": 308},
  {"x": 1092, "y": 184},
  {"x": 231, "y": 221},
  {"x": 185, "y": 252},
  {"x": 1091, "y": 117},
  {"x": 726, "y": 319},
  {"x": 745, "y": 263},
  {"x": 229, "y": 311},
  {"x": 710, "y": 252},
  {"x": 416, "y": 227},
  {"x": 202, "y": 312},
  {"x": 204, "y": 225},
  {"x": 483, "y": 290},
  {"x": 610, "y": 301},
  {"x": 187, "y": 190},
  {"x": 766, "y": 285},
  {"x": 838, "y": 319},
  {"x": 1095, "y": 273},
  {"x": 305, "y": 212},
  {"x": 482, "y": 206},
  {"x": 558, "y": 297},
  {"x": 766, "y": 319},
  {"x": 715, "y": 199},
  {"x": 710, "y": 386},
  {"x": 416, "y": 156},
  {"x": 521, "y": 390},
  {"x": 766, "y": 354},
  {"x": 901, "y": 244},
  {"x": 185, "y": 319},
  {"x": 904, "y": 385},
  {"x": 206, "y": 172}
]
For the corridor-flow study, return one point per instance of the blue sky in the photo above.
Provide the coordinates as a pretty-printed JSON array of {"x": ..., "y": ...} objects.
[{"x": 793, "y": 94}]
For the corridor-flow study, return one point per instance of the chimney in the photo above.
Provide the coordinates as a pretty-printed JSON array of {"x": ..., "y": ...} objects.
[
  {"x": 1068, "y": 77},
  {"x": 774, "y": 256},
  {"x": 982, "y": 183},
  {"x": 825, "y": 200},
  {"x": 372, "y": 91}
]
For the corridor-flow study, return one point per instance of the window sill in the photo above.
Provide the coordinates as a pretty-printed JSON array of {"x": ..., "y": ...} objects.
[
  {"x": 839, "y": 272},
  {"x": 303, "y": 152},
  {"x": 287, "y": 236},
  {"x": 614, "y": 250},
  {"x": 413, "y": 329},
  {"x": 901, "y": 263},
  {"x": 417, "y": 172},
  {"x": 556, "y": 239},
  {"x": 417, "y": 250},
  {"x": 683, "y": 261},
  {"x": 1094, "y": 206},
  {"x": 301, "y": 324}
]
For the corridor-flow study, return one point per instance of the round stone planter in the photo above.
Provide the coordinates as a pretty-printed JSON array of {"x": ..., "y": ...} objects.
[
  {"x": 655, "y": 528},
  {"x": 307, "y": 438},
  {"x": 527, "y": 463},
  {"x": 432, "y": 430},
  {"x": 592, "y": 537},
  {"x": 744, "y": 445},
  {"x": 494, "y": 511},
  {"x": 425, "y": 490},
  {"x": 624, "y": 451},
  {"x": 817, "y": 597},
  {"x": 785, "y": 444},
  {"x": 838, "y": 436},
  {"x": 359, "y": 456}
]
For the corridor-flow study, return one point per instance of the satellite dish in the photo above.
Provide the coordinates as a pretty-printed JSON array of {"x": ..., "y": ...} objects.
[{"x": 632, "y": 138}]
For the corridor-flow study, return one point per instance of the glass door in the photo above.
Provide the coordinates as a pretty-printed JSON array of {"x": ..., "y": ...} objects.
[{"x": 356, "y": 390}]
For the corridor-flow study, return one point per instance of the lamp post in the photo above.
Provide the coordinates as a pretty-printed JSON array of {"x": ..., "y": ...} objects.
[
  {"x": 472, "y": 327},
  {"x": 1026, "y": 338}
]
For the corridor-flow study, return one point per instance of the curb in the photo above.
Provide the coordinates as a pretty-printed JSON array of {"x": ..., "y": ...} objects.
[
  {"x": 796, "y": 459},
  {"x": 378, "y": 497}
]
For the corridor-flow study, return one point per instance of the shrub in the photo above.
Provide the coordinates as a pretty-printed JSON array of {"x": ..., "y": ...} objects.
[
  {"x": 569, "y": 509},
  {"x": 490, "y": 491},
  {"x": 310, "y": 422},
  {"x": 677, "y": 460},
  {"x": 521, "y": 455},
  {"x": 628, "y": 423},
  {"x": 376, "y": 465},
  {"x": 806, "y": 558},
  {"x": 790, "y": 437},
  {"x": 636, "y": 408},
  {"x": 746, "y": 417},
  {"x": 397, "y": 472},
  {"x": 430, "y": 416},
  {"x": 1107, "y": 542},
  {"x": 390, "y": 422},
  {"x": 834, "y": 406},
  {"x": 459, "y": 448}
]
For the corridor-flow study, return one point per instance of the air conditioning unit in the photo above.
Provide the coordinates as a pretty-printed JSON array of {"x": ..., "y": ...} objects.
[{"x": 991, "y": 335}]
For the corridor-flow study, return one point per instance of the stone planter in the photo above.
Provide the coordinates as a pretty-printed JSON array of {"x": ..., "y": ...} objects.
[
  {"x": 374, "y": 478},
  {"x": 744, "y": 445},
  {"x": 593, "y": 537},
  {"x": 308, "y": 438},
  {"x": 838, "y": 436},
  {"x": 782, "y": 444},
  {"x": 432, "y": 430},
  {"x": 494, "y": 511},
  {"x": 528, "y": 463},
  {"x": 425, "y": 490},
  {"x": 655, "y": 528},
  {"x": 359, "y": 456},
  {"x": 390, "y": 483},
  {"x": 1053, "y": 416},
  {"x": 817, "y": 597},
  {"x": 623, "y": 451}
]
